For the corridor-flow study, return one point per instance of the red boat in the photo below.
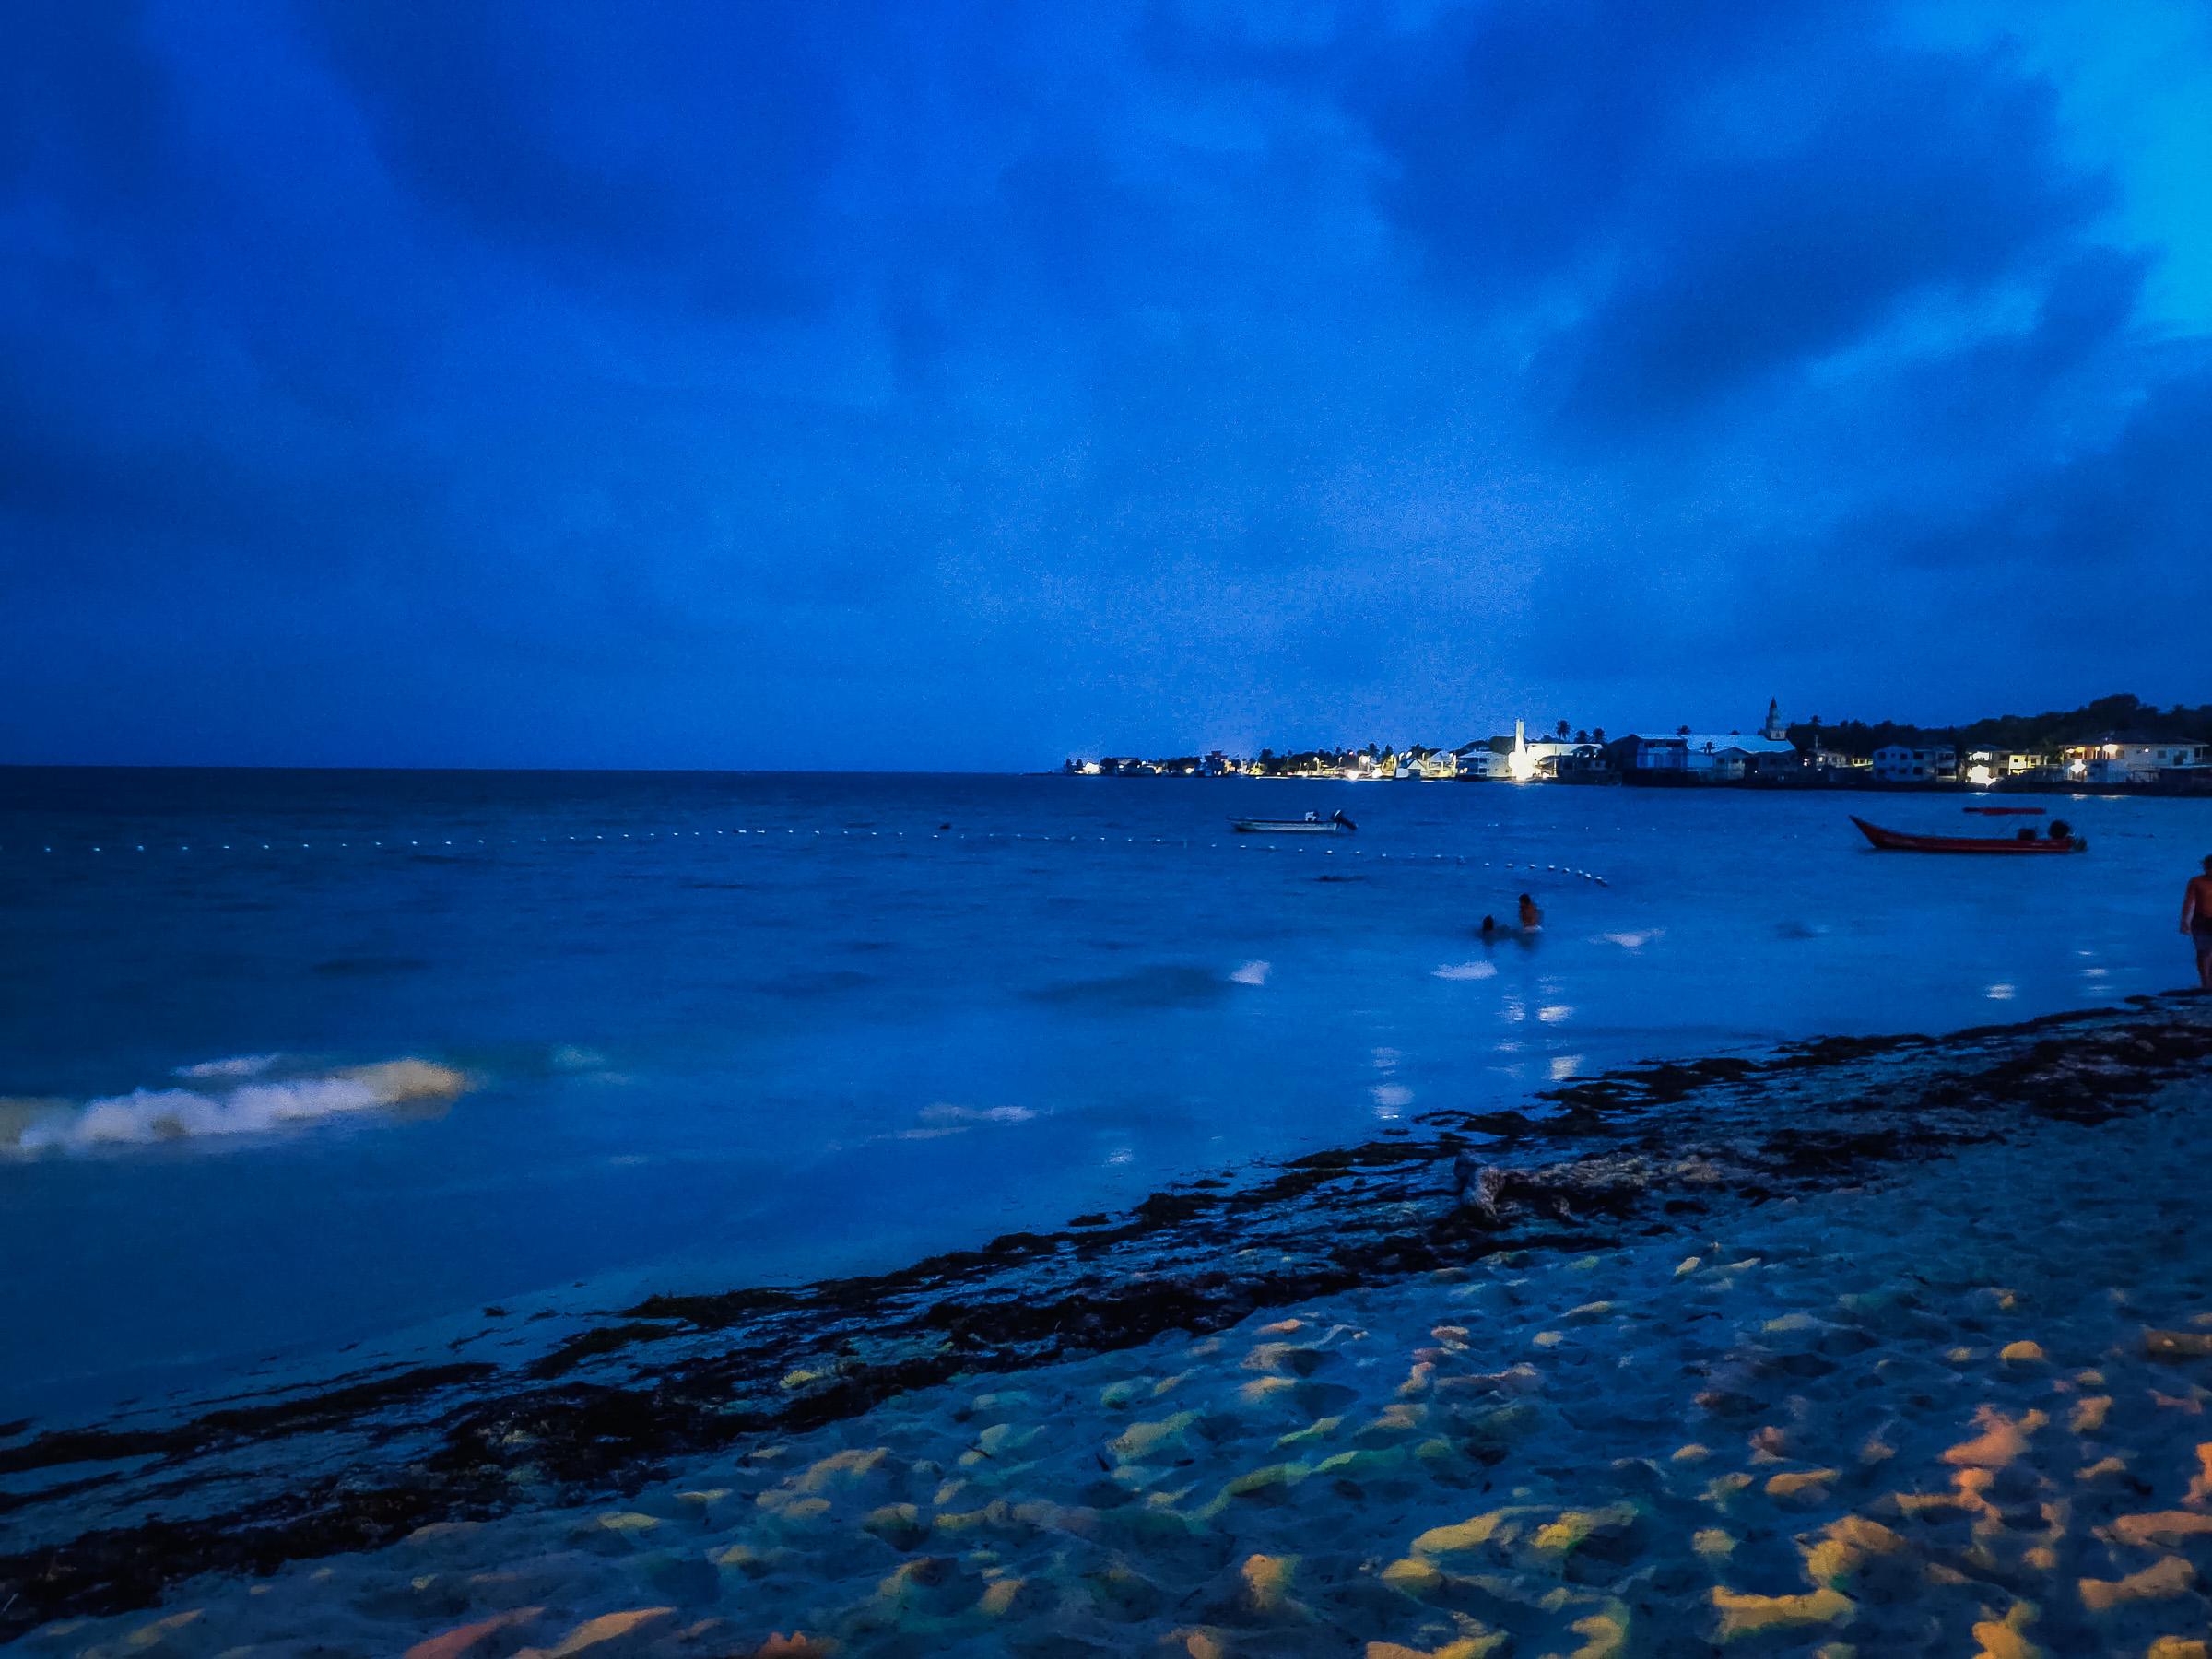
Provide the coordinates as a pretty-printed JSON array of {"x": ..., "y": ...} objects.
[{"x": 1896, "y": 840}]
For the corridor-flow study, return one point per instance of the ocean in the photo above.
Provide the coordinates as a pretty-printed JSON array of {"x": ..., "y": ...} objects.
[{"x": 688, "y": 1031}]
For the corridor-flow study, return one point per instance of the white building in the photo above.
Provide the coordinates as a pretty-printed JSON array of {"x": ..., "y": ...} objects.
[
  {"x": 1721, "y": 757},
  {"x": 1995, "y": 765},
  {"x": 1713, "y": 757},
  {"x": 1518, "y": 758},
  {"x": 1904, "y": 764},
  {"x": 2133, "y": 757},
  {"x": 1710, "y": 757},
  {"x": 1480, "y": 760}
]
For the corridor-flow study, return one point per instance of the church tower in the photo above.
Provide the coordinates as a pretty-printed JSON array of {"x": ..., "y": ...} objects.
[{"x": 1774, "y": 728}]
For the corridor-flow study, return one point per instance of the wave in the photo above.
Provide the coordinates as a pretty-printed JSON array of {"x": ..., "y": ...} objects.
[
  {"x": 943, "y": 1119},
  {"x": 944, "y": 1114},
  {"x": 146, "y": 1115},
  {"x": 238, "y": 1066}
]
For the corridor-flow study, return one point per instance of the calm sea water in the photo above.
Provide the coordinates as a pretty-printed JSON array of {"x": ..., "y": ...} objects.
[{"x": 729, "y": 1028}]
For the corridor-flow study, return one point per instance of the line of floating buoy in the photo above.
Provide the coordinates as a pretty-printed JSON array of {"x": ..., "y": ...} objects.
[{"x": 678, "y": 835}]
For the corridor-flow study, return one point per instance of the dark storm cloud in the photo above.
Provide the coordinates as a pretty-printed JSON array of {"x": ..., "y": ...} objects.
[
  {"x": 1724, "y": 191},
  {"x": 1525, "y": 133},
  {"x": 662, "y": 385},
  {"x": 1920, "y": 180},
  {"x": 2109, "y": 520},
  {"x": 682, "y": 144}
]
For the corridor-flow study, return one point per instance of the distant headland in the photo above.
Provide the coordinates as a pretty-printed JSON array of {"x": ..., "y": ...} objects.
[{"x": 2115, "y": 743}]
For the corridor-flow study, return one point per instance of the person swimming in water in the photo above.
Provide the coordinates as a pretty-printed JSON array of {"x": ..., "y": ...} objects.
[
  {"x": 1531, "y": 917},
  {"x": 2196, "y": 922}
]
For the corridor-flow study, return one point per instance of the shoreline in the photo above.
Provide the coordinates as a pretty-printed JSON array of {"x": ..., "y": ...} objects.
[
  {"x": 1645, "y": 1153},
  {"x": 2194, "y": 790}
]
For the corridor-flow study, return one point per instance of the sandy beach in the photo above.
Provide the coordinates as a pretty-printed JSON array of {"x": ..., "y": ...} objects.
[{"x": 1946, "y": 1400}]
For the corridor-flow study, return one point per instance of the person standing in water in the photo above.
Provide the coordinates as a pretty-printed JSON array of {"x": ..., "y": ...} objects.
[
  {"x": 1532, "y": 918},
  {"x": 2196, "y": 922}
]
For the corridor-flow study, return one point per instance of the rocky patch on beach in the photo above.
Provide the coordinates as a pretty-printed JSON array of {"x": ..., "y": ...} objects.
[{"x": 1596, "y": 1169}]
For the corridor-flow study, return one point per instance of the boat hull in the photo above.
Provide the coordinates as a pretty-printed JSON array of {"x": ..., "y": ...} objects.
[
  {"x": 1897, "y": 840},
  {"x": 1288, "y": 826}
]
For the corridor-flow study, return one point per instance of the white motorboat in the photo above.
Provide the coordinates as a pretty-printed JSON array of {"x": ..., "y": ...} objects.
[{"x": 1312, "y": 824}]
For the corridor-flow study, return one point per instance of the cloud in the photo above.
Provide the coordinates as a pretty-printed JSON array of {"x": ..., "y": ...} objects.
[
  {"x": 1684, "y": 203},
  {"x": 686, "y": 147},
  {"x": 1918, "y": 179},
  {"x": 958, "y": 385},
  {"x": 2134, "y": 516}
]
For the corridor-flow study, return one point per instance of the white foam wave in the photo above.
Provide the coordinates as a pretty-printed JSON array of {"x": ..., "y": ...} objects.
[
  {"x": 146, "y": 1115},
  {"x": 238, "y": 1066},
  {"x": 1252, "y": 974},
  {"x": 1465, "y": 971},
  {"x": 942, "y": 1113}
]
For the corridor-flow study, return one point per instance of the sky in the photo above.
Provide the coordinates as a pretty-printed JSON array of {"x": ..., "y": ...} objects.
[{"x": 965, "y": 387}]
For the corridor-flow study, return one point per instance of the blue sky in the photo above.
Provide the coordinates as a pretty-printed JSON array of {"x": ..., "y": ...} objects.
[{"x": 968, "y": 385}]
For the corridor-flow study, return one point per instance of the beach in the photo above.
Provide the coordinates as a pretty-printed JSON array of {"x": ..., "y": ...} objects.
[
  {"x": 1895, "y": 1348},
  {"x": 1163, "y": 830}
]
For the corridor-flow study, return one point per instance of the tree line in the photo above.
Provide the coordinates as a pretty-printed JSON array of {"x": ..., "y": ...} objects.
[{"x": 2027, "y": 734}]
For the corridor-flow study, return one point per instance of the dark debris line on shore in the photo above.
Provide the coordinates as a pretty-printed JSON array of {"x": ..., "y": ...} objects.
[{"x": 1645, "y": 1151}]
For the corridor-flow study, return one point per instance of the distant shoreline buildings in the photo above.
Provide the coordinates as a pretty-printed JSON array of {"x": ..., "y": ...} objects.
[{"x": 2168, "y": 752}]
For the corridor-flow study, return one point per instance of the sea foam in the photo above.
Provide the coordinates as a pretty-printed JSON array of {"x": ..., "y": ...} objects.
[
  {"x": 237, "y": 1065},
  {"x": 157, "y": 1114}
]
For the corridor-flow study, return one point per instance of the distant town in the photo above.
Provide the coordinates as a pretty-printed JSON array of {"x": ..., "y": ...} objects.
[{"x": 2117, "y": 743}]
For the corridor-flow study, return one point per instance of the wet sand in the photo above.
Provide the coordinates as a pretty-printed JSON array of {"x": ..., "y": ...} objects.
[{"x": 1892, "y": 1347}]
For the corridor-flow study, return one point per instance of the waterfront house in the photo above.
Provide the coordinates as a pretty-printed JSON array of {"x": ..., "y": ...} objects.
[
  {"x": 1520, "y": 757},
  {"x": 1586, "y": 763},
  {"x": 1995, "y": 765},
  {"x": 1777, "y": 764},
  {"x": 2133, "y": 757},
  {"x": 1637, "y": 753},
  {"x": 1544, "y": 753},
  {"x": 1705, "y": 757},
  {"x": 1906, "y": 763},
  {"x": 1833, "y": 766},
  {"x": 1724, "y": 757},
  {"x": 1685, "y": 755},
  {"x": 1523, "y": 757},
  {"x": 1483, "y": 759}
]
